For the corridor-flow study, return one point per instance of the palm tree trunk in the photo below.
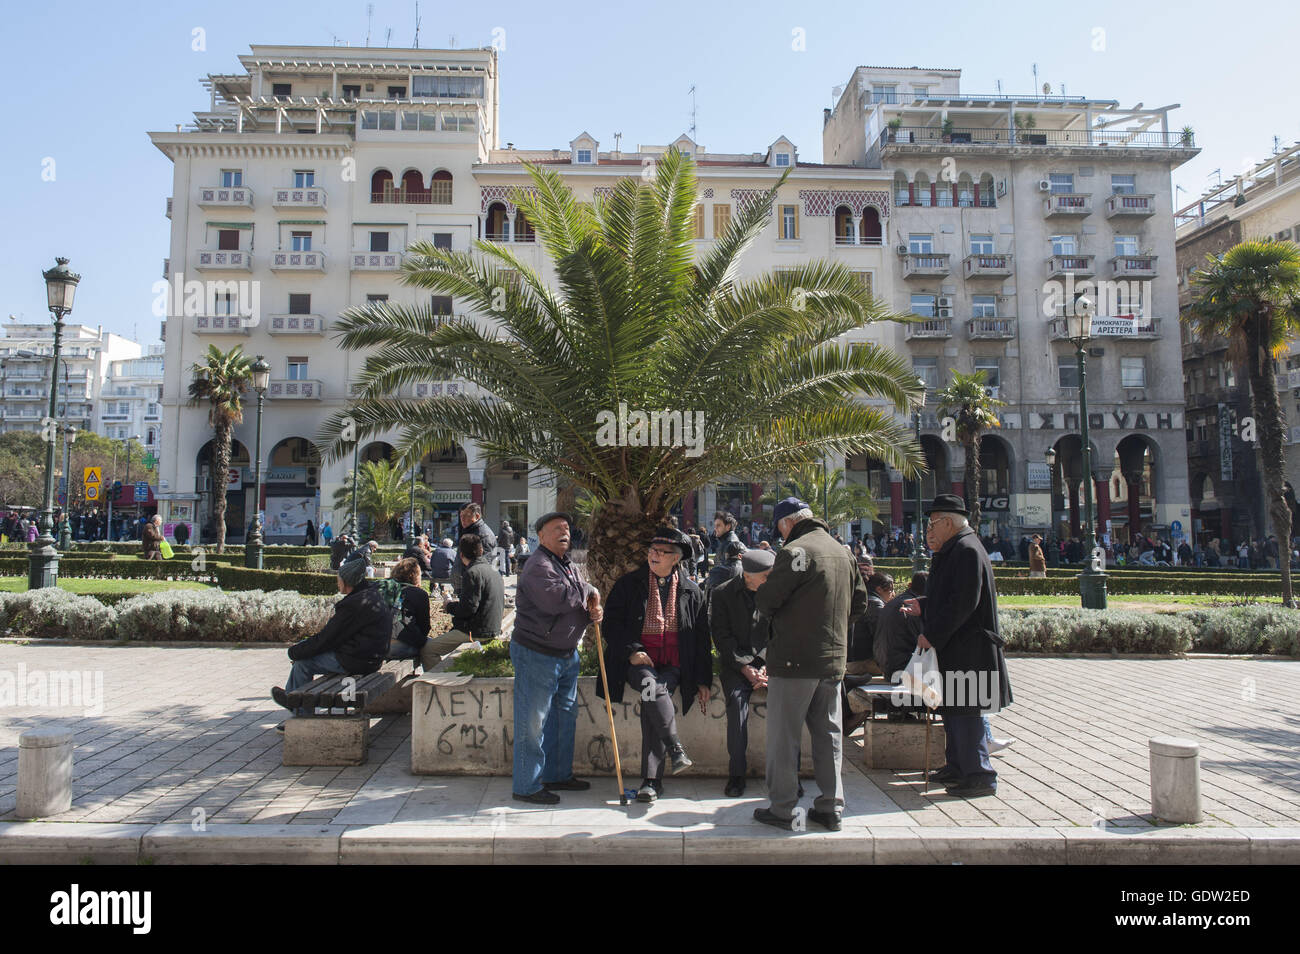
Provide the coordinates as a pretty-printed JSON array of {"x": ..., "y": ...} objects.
[
  {"x": 1272, "y": 463},
  {"x": 220, "y": 468},
  {"x": 617, "y": 542},
  {"x": 973, "y": 481}
]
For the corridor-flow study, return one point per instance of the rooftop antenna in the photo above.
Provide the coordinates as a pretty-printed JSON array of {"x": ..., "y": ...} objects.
[
  {"x": 370, "y": 15},
  {"x": 451, "y": 44},
  {"x": 417, "y": 24},
  {"x": 1218, "y": 174},
  {"x": 1277, "y": 145},
  {"x": 618, "y": 138},
  {"x": 388, "y": 36},
  {"x": 1035, "y": 76},
  {"x": 692, "y": 92},
  {"x": 334, "y": 35},
  {"x": 999, "y": 87}
]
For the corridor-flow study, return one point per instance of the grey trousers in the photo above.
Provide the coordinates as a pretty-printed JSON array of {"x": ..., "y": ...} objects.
[
  {"x": 658, "y": 714},
  {"x": 792, "y": 703}
]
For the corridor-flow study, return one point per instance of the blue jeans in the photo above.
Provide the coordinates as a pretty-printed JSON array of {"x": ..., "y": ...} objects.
[
  {"x": 546, "y": 717},
  {"x": 305, "y": 670}
]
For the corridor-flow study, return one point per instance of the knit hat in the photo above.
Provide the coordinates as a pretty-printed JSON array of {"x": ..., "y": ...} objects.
[{"x": 353, "y": 571}]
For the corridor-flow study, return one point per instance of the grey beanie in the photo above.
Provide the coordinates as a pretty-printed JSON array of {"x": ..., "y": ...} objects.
[{"x": 353, "y": 571}]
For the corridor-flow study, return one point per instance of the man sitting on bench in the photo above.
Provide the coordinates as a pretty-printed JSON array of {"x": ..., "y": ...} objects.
[{"x": 352, "y": 643}]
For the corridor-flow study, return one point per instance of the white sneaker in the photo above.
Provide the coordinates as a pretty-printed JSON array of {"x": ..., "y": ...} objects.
[{"x": 997, "y": 745}]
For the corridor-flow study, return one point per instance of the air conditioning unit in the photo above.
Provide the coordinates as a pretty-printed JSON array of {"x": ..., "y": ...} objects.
[
  {"x": 945, "y": 312},
  {"x": 944, "y": 302},
  {"x": 1002, "y": 187},
  {"x": 1044, "y": 185},
  {"x": 901, "y": 250},
  {"x": 313, "y": 477}
]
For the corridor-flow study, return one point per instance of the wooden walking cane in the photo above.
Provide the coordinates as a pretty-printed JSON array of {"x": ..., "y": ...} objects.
[
  {"x": 926, "y": 790},
  {"x": 609, "y": 711}
]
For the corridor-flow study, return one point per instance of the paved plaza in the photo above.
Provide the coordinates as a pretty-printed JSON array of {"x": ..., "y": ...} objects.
[{"x": 185, "y": 729}]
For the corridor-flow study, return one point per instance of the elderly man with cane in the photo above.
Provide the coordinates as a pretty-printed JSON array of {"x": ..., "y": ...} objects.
[{"x": 959, "y": 619}]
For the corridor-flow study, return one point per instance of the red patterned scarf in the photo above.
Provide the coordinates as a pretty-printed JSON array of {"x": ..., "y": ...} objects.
[{"x": 659, "y": 633}]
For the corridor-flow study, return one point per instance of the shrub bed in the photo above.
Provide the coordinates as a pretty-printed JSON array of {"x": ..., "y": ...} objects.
[
  {"x": 1095, "y": 631},
  {"x": 52, "y": 613}
]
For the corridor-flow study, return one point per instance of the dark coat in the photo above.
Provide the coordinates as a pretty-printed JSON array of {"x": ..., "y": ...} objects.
[
  {"x": 864, "y": 629},
  {"x": 895, "y": 636},
  {"x": 739, "y": 631},
  {"x": 961, "y": 621},
  {"x": 151, "y": 542},
  {"x": 481, "y": 601},
  {"x": 625, "y": 618},
  {"x": 358, "y": 633}
]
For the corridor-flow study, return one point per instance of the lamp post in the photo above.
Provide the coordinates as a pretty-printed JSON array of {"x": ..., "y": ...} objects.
[
  {"x": 410, "y": 523},
  {"x": 253, "y": 548},
  {"x": 1050, "y": 457},
  {"x": 60, "y": 289},
  {"x": 136, "y": 507},
  {"x": 918, "y": 539},
  {"x": 65, "y": 531},
  {"x": 356, "y": 456},
  {"x": 1092, "y": 581}
]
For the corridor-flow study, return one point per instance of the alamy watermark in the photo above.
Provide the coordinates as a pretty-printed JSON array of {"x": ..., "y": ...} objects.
[
  {"x": 52, "y": 689},
  {"x": 651, "y": 429},
  {"x": 213, "y": 298}
]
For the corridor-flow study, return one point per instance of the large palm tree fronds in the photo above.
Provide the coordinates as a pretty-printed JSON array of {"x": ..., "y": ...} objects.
[
  {"x": 631, "y": 320},
  {"x": 383, "y": 491},
  {"x": 220, "y": 380},
  {"x": 829, "y": 489},
  {"x": 969, "y": 402}
]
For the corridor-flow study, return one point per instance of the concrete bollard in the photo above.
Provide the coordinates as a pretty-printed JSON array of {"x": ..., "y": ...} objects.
[
  {"x": 44, "y": 772},
  {"x": 1176, "y": 780}
]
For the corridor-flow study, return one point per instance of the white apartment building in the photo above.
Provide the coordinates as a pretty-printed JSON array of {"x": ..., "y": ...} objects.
[
  {"x": 131, "y": 400},
  {"x": 85, "y": 357},
  {"x": 998, "y": 202}
]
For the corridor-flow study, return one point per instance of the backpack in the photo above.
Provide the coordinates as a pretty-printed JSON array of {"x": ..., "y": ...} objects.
[{"x": 391, "y": 591}]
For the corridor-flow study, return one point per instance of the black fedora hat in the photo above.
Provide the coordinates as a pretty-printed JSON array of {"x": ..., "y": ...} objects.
[
  {"x": 948, "y": 503},
  {"x": 668, "y": 535}
]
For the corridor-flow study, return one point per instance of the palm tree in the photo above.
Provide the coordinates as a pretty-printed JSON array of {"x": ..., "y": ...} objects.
[
  {"x": 973, "y": 408},
  {"x": 221, "y": 380},
  {"x": 846, "y": 502},
  {"x": 1251, "y": 296},
  {"x": 634, "y": 322},
  {"x": 383, "y": 492}
]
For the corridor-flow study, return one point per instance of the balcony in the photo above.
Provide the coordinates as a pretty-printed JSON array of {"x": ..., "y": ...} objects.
[
  {"x": 225, "y": 197},
  {"x": 298, "y": 261},
  {"x": 169, "y": 207},
  {"x": 1288, "y": 380},
  {"x": 1133, "y": 266},
  {"x": 990, "y": 329},
  {"x": 1136, "y": 206},
  {"x": 925, "y": 265},
  {"x": 296, "y": 325},
  {"x": 1004, "y": 136},
  {"x": 115, "y": 418},
  {"x": 1067, "y": 205},
  {"x": 222, "y": 325},
  {"x": 1130, "y": 327},
  {"x": 26, "y": 394},
  {"x": 377, "y": 261},
  {"x": 929, "y": 329},
  {"x": 1062, "y": 265},
  {"x": 427, "y": 389},
  {"x": 304, "y": 389},
  {"x": 855, "y": 241},
  {"x": 224, "y": 260},
  {"x": 987, "y": 265},
  {"x": 304, "y": 198}
]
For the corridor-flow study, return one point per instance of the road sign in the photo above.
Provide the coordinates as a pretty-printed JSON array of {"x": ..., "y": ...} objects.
[
  {"x": 150, "y": 460},
  {"x": 92, "y": 491},
  {"x": 1176, "y": 528},
  {"x": 63, "y": 498},
  {"x": 141, "y": 490},
  {"x": 91, "y": 475}
]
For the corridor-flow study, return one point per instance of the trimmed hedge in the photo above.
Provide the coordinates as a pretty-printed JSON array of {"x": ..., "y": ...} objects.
[{"x": 1094, "y": 631}]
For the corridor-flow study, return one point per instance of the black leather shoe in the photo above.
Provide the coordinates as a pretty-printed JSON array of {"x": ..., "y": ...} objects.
[
  {"x": 570, "y": 784},
  {"x": 765, "y": 816},
  {"x": 650, "y": 790},
  {"x": 539, "y": 797},
  {"x": 735, "y": 787},
  {"x": 970, "y": 789},
  {"x": 281, "y": 697},
  {"x": 681, "y": 761},
  {"x": 945, "y": 775},
  {"x": 828, "y": 820}
]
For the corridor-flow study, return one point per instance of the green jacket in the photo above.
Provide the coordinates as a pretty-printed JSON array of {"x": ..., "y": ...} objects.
[{"x": 812, "y": 596}]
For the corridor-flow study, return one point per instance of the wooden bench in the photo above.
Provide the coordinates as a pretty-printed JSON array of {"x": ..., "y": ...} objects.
[{"x": 341, "y": 734}]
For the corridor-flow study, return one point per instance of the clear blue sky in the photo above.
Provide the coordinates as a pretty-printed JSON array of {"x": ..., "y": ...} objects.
[{"x": 83, "y": 82}]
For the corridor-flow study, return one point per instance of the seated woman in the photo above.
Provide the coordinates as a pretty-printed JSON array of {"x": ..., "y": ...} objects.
[
  {"x": 412, "y": 640},
  {"x": 657, "y": 630}
]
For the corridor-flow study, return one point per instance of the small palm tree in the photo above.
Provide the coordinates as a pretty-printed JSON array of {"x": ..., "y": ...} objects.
[
  {"x": 383, "y": 492},
  {"x": 1251, "y": 296},
  {"x": 973, "y": 408},
  {"x": 632, "y": 321},
  {"x": 220, "y": 380},
  {"x": 844, "y": 502}
]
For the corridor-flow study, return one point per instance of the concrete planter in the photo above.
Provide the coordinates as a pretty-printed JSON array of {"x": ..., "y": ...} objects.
[{"x": 467, "y": 729}]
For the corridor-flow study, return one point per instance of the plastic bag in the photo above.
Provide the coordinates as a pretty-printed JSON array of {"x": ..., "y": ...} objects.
[
  {"x": 166, "y": 549},
  {"x": 922, "y": 678}
]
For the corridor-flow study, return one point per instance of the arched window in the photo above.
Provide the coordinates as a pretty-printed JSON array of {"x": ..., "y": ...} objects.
[
  {"x": 845, "y": 232},
  {"x": 902, "y": 189},
  {"x": 440, "y": 192},
  {"x": 498, "y": 223},
  {"x": 413, "y": 189},
  {"x": 523, "y": 229},
  {"x": 986, "y": 198},
  {"x": 872, "y": 232},
  {"x": 381, "y": 186},
  {"x": 965, "y": 191},
  {"x": 921, "y": 190}
]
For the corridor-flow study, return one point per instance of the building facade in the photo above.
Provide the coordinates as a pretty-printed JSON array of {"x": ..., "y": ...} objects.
[{"x": 130, "y": 402}]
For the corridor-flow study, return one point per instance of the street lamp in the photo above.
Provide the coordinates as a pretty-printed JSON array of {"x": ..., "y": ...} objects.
[
  {"x": 136, "y": 507},
  {"x": 60, "y": 289},
  {"x": 1092, "y": 581},
  {"x": 356, "y": 455},
  {"x": 65, "y": 531},
  {"x": 918, "y": 540},
  {"x": 253, "y": 547}
]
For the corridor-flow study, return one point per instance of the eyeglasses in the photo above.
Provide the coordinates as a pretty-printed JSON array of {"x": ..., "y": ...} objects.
[{"x": 660, "y": 551}]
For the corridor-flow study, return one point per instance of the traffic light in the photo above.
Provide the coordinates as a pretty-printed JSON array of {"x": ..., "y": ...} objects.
[{"x": 117, "y": 490}]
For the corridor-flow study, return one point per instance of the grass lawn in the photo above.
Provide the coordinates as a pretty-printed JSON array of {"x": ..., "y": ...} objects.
[
  {"x": 1144, "y": 601},
  {"x": 18, "y": 584}
]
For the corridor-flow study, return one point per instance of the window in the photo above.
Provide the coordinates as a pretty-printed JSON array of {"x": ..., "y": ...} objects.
[
  {"x": 1126, "y": 244},
  {"x": 448, "y": 87},
  {"x": 299, "y": 304},
  {"x": 927, "y": 369},
  {"x": 789, "y": 222},
  {"x": 981, "y": 244},
  {"x": 440, "y": 188},
  {"x": 379, "y": 241},
  {"x": 228, "y": 240},
  {"x": 699, "y": 221},
  {"x": 1202, "y": 431},
  {"x": 923, "y": 305},
  {"x": 457, "y": 123},
  {"x": 983, "y": 306},
  {"x": 442, "y": 240},
  {"x": 1123, "y": 184},
  {"x": 301, "y": 241},
  {"x": 721, "y": 219},
  {"x": 1062, "y": 183},
  {"x": 992, "y": 368},
  {"x": 232, "y": 178},
  {"x": 440, "y": 305},
  {"x": 920, "y": 92},
  {"x": 1065, "y": 244},
  {"x": 584, "y": 155},
  {"x": 397, "y": 92},
  {"x": 782, "y": 158},
  {"x": 1067, "y": 371},
  {"x": 304, "y": 178},
  {"x": 281, "y": 89},
  {"x": 1133, "y": 372},
  {"x": 864, "y": 279},
  {"x": 297, "y": 369},
  {"x": 1228, "y": 376},
  {"x": 920, "y": 243},
  {"x": 351, "y": 92},
  {"x": 884, "y": 93},
  {"x": 374, "y": 299}
]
